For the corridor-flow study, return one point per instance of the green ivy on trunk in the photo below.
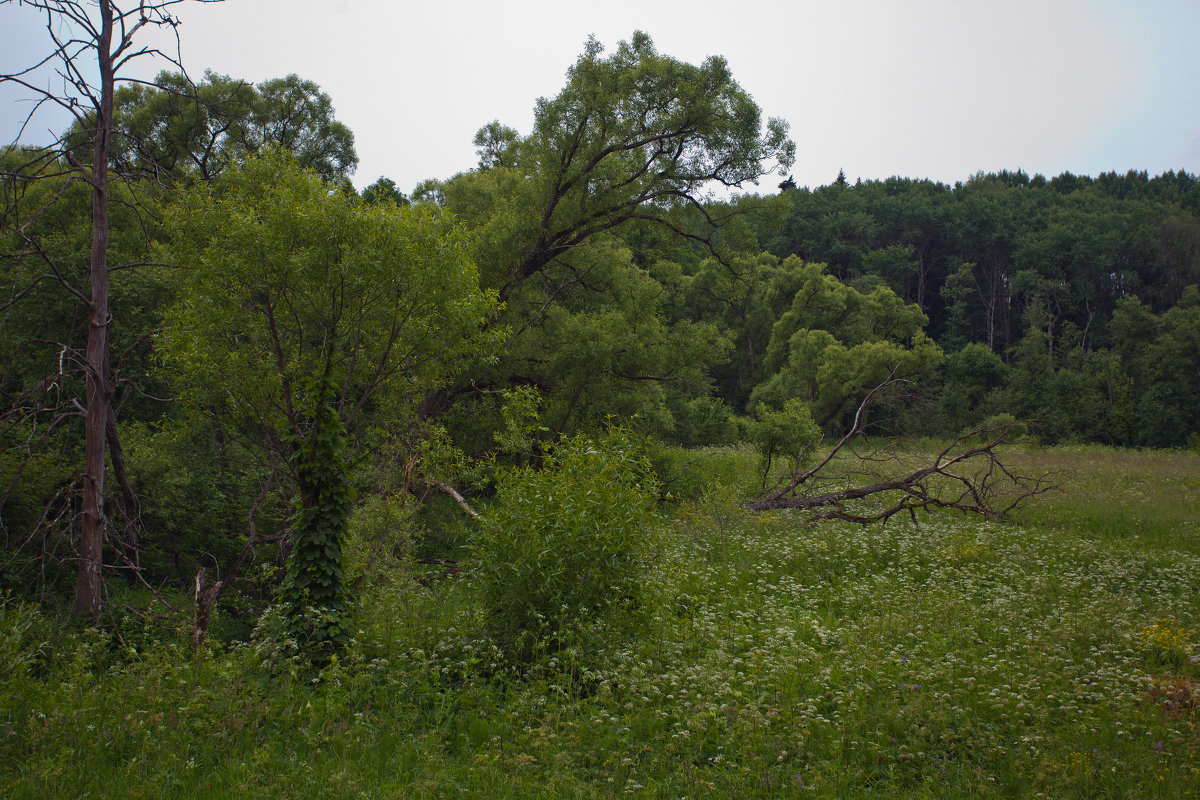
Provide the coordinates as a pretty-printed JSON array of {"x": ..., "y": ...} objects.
[{"x": 313, "y": 589}]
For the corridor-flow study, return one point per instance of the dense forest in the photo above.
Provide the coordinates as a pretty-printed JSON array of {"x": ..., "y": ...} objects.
[{"x": 254, "y": 356}]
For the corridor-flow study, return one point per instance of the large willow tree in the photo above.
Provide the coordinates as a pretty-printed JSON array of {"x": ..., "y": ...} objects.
[{"x": 635, "y": 138}]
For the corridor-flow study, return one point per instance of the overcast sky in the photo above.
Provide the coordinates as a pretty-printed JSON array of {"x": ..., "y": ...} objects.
[{"x": 934, "y": 89}]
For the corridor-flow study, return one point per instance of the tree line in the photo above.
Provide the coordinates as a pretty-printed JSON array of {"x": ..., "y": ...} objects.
[{"x": 1068, "y": 301}]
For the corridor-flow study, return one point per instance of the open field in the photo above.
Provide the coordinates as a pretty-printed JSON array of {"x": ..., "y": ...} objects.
[{"x": 1058, "y": 657}]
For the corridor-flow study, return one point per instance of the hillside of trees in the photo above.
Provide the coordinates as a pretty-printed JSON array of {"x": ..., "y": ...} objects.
[
  {"x": 1070, "y": 301},
  {"x": 256, "y": 356}
]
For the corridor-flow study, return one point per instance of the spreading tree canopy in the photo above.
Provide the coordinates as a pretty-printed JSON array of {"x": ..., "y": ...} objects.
[
  {"x": 633, "y": 139},
  {"x": 178, "y": 129},
  {"x": 630, "y": 137},
  {"x": 289, "y": 292}
]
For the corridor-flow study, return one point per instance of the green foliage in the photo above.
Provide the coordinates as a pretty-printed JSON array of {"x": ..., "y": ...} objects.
[
  {"x": 635, "y": 132},
  {"x": 744, "y": 297},
  {"x": 24, "y": 643},
  {"x": 909, "y": 665},
  {"x": 195, "y": 490},
  {"x": 283, "y": 282},
  {"x": 701, "y": 421},
  {"x": 787, "y": 433},
  {"x": 496, "y": 145},
  {"x": 290, "y": 296},
  {"x": 380, "y": 541},
  {"x": 383, "y": 190},
  {"x": 691, "y": 474},
  {"x": 629, "y": 144},
  {"x": 195, "y": 131},
  {"x": 969, "y": 375},
  {"x": 521, "y": 421},
  {"x": 1012, "y": 428},
  {"x": 591, "y": 334},
  {"x": 835, "y": 344},
  {"x": 563, "y": 547}
]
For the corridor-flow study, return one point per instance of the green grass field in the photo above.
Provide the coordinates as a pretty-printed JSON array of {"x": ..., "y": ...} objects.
[{"x": 1055, "y": 657}]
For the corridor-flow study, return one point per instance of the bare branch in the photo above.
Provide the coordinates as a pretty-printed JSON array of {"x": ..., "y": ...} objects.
[
  {"x": 458, "y": 498},
  {"x": 969, "y": 474}
]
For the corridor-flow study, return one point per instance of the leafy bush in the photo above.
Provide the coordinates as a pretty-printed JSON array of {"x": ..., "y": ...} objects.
[
  {"x": 789, "y": 434},
  {"x": 562, "y": 546},
  {"x": 726, "y": 473},
  {"x": 701, "y": 421}
]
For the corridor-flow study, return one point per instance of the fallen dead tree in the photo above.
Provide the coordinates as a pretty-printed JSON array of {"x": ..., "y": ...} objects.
[{"x": 863, "y": 481}]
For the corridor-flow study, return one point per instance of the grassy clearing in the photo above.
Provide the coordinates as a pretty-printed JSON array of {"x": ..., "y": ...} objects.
[
  {"x": 1136, "y": 496},
  {"x": 954, "y": 658}
]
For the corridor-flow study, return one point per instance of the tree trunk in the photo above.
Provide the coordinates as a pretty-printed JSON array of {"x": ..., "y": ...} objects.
[{"x": 88, "y": 599}]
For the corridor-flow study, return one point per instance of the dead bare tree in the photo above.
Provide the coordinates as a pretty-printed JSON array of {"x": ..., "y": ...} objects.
[
  {"x": 971, "y": 474},
  {"x": 84, "y": 35}
]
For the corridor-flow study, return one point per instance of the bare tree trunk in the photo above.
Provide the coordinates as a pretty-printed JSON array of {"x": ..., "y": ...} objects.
[
  {"x": 76, "y": 28},
  {"x": 88, "y": 600},
  {"x": 206, "y": 599}
]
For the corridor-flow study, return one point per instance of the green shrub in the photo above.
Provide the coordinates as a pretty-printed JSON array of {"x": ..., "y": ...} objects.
[
  {"x": 695, "y": 473},
  {"x": 789, "y": 434},
  {"x": 701, "y": 421},
  {"x": 562, "y": 546}
]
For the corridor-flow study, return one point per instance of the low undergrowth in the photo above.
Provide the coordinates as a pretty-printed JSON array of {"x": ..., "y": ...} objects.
[{"x": 1057, "y": 658}]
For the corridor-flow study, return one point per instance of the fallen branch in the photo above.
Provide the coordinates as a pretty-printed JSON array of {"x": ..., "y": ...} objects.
[{"x": 969, "y": 474}]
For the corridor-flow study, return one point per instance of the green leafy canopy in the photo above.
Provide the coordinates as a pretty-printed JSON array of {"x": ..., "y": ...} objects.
[{"x": 286, "y": 287}]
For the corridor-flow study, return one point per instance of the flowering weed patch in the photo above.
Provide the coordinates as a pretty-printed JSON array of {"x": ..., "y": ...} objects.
[{"x": 950, "y": 658}]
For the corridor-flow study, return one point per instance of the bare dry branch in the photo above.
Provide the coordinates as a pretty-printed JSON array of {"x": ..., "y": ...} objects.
[
  {"x": 458, "y": 498},
  {"x": 969, "y": 474},
  {"x": 102, "y": 33}
]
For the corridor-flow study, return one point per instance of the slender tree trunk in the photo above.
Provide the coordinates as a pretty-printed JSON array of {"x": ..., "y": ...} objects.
[{"x": 88, "y": 596}]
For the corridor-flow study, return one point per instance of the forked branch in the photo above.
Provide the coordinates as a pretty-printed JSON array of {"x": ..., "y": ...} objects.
[{"x": 971, "y": 474}]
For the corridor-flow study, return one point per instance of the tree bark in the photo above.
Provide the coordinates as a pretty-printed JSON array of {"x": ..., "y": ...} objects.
[{"x": 88, "y": 595}]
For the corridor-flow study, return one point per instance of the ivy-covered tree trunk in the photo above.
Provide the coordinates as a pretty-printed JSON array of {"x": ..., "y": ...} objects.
[{"x": 313, "y": 589}]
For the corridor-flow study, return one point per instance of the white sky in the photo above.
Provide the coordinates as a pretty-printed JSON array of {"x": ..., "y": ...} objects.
[{"x": 934, "y": 89}]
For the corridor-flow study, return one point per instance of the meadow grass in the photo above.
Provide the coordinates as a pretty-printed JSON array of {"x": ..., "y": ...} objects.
[{"x": 1055, "y": 657}]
